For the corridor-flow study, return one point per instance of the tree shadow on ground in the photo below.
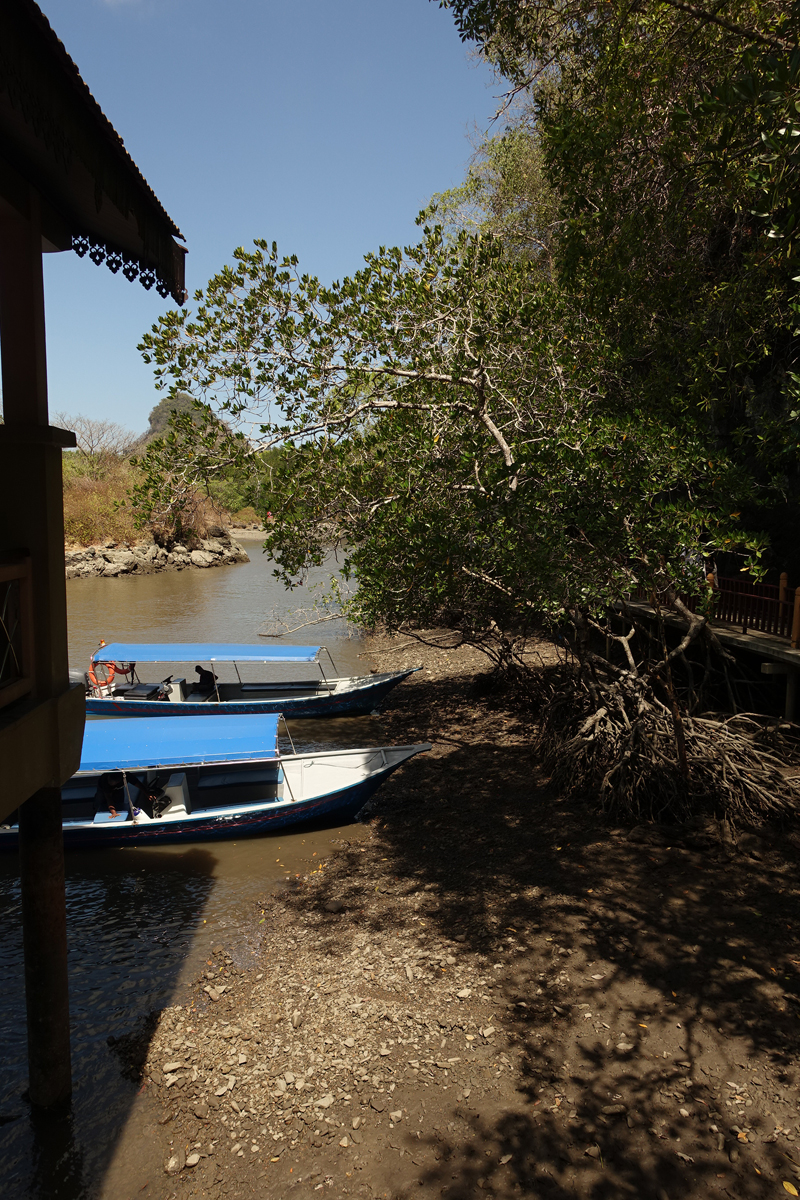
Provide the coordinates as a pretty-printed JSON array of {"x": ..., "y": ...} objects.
[{"x": 647, "y": 980}]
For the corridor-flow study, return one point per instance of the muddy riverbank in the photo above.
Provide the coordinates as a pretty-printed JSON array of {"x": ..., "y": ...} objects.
[{"x": 492, "y": 993}]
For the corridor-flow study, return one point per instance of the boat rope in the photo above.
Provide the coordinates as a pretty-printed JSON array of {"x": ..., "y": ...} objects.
[
  {"x": 289, "y": 736},
  {"x": 127, "y": 793}
]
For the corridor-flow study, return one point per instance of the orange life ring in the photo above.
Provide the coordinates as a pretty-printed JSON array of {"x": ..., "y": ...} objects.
[{"x": 109, "y": 679}]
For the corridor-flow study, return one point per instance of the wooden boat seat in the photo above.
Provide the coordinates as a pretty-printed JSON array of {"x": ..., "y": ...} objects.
[
  {"x": 86, "y": 791},
  {"x": 226, "y": 779},
  {"x": 78, "y": 810},
  {"x": 138, "y": 691},
  {"x": 79, "y": 803}
]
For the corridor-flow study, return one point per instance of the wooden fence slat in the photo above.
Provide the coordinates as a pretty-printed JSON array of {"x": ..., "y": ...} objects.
[{"x": 765, "y": 607}]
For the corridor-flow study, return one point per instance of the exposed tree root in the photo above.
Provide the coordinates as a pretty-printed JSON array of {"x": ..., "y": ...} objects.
[{"x": 615, "y": 741}]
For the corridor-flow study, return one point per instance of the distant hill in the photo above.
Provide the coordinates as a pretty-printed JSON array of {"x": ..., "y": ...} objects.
[{"x": 160, "y": 415}]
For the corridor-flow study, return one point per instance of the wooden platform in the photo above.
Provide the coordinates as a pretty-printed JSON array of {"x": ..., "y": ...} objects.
[{"x": 778, "y": 657}]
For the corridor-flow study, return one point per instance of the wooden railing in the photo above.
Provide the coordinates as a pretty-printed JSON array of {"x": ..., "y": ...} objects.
[{"x": 765, "y": 607}]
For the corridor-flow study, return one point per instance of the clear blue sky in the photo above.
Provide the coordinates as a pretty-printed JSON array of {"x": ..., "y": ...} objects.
[{"x": 322, "y": 124}]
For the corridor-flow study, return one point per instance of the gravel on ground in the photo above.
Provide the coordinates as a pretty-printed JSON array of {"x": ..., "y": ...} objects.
[{"x": 494, "y": 994}]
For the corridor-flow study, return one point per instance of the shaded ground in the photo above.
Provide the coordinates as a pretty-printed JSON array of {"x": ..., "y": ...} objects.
[{"x": 494, "y": 995}]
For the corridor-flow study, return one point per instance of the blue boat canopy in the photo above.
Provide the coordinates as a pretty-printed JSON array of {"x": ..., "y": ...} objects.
[
  {"x": 202, "y": 652},
  {"x": 127, "y": 744}
]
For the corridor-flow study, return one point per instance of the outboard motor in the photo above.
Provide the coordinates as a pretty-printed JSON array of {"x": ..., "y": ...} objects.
[{"x": 76, "y": 675}]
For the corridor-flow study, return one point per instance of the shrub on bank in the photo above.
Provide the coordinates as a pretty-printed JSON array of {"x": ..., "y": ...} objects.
[
  {"x": 91, "y": 512},
  {"x": 99, "y": 480},
  {"x": 245, "y": 516},
  {"x": 97, "y": 510}
]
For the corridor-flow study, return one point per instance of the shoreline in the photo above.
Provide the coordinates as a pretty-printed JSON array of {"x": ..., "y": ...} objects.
[
  {"x": 493, "y": 992},
  {"x": 113, "y": 560}
]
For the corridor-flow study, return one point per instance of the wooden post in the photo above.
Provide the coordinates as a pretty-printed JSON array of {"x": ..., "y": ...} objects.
[
  {"x": 44, "y": 935},
  {"x": 32, "y": 521},
  {"x": 796, "y": 619},
  {"x": 783, "y": 596}
]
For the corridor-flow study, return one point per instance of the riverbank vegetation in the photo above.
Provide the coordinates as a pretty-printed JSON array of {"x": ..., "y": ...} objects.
[
  {"x": 580, "y": 384},
  {"x": 100, "y": 478}
]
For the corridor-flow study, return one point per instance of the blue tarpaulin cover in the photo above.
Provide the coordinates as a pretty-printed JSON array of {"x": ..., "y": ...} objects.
[
  {"x": 202, "y": 652},
  {"x": 133, "y": 743}
]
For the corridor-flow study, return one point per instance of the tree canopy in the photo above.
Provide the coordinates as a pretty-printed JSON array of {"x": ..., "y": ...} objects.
[{"x": 580, "y": 381}]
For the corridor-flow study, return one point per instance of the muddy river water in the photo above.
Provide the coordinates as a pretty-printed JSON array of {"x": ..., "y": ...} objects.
[{"x": 141, "y": 922}]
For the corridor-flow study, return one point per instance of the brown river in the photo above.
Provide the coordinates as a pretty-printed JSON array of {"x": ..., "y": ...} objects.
[{"x": 141, "y": 922}]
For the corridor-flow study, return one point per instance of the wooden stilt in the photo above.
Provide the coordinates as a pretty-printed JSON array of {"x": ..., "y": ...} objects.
[
  {"x": 32, "y": 521},
  {"x": 44, "y": 931}
]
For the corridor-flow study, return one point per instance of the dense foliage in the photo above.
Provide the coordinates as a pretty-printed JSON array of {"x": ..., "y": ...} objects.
[
  {"x": 455, "y": 423},
  {"x": 670, "y": 136},
  {"x": 581, "y": 381}
]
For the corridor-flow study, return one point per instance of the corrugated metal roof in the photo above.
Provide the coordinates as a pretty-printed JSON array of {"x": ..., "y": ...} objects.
[
  {"x": 76, "y": 81},
  {"x": 55, "y": 137}
]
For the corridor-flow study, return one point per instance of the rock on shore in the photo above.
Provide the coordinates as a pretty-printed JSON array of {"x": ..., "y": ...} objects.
[{"x": 112, "y": 559}]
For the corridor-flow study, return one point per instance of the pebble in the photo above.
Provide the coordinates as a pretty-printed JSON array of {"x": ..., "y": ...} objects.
[
  {"x": 193, "y": 1160},
  {"x": 325, "y": 1102},
  {"x": 175, "y": 1164},
  {"x": 592, "y": 1151},
  {"x": 396, "y": 1116},
  {"x": 334, "y": 906}
]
